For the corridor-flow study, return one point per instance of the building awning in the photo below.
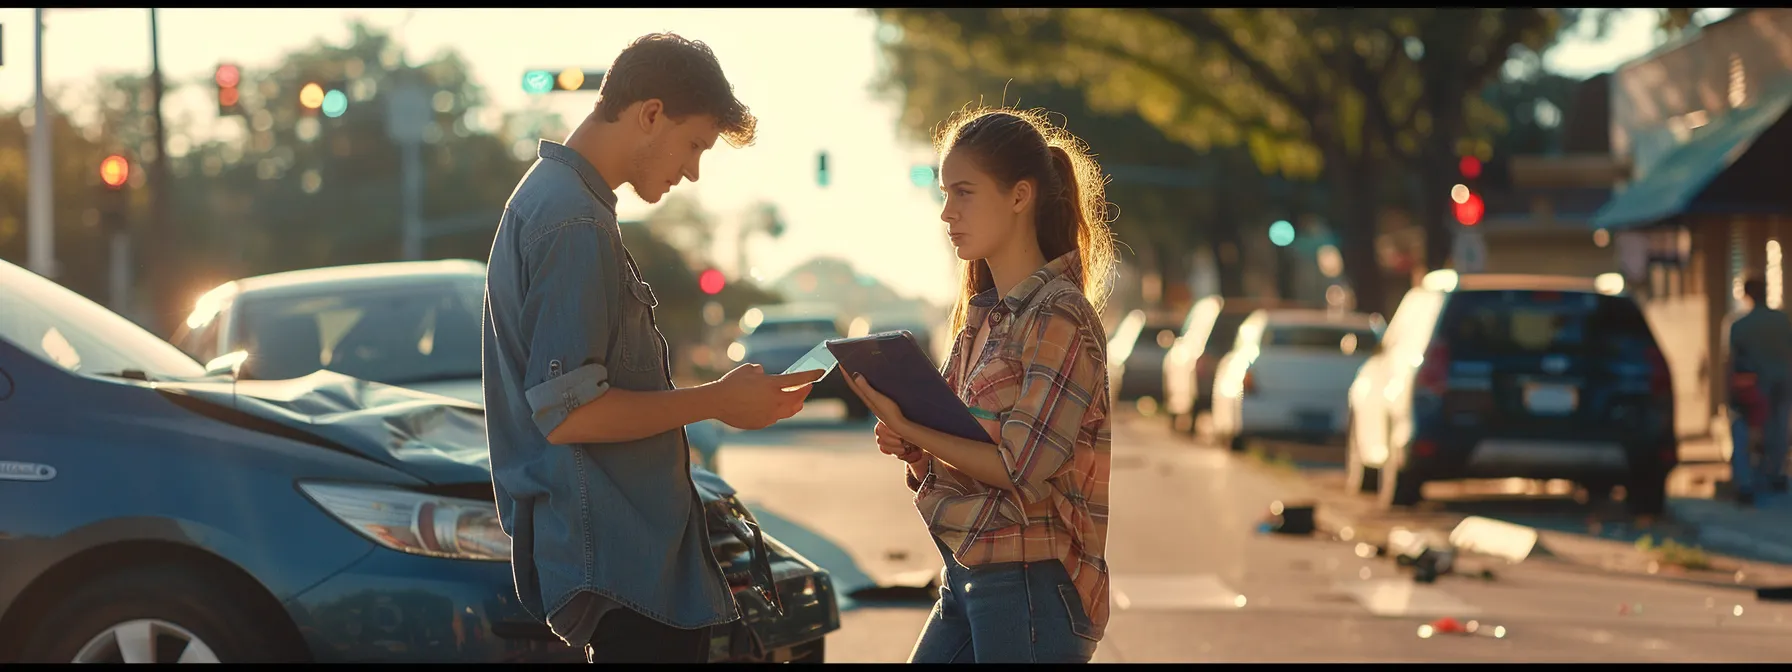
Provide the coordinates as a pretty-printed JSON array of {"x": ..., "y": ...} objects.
[{"x": 1681, "y": 182}]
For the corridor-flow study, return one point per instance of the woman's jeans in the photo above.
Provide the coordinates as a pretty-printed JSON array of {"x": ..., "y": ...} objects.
[{"x": 1009, "y": 612}]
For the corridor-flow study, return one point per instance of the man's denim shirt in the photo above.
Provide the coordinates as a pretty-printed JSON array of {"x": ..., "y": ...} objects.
[{"x": 567, "y": 318}]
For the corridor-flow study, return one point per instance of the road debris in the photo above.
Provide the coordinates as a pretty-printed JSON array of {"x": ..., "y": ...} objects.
[
  {"x": 1451, "y": 626},
  {"x": 1289, "y": 518}
]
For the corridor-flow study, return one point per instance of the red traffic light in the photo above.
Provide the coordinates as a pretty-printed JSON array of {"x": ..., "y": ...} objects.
[
  {"x": 1470, "y": 167},
  {"x": 228, "y": 76},
  {"x": 114, "y": 170},
  {"x": 1469, "y": 212},
  {"x": 711, "y": 281}
]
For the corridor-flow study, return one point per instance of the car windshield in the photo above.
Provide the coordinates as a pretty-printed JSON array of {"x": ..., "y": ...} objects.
[
  {"x": 1160, "y": 336},
  {"x": 787, "y": 327},
  {"x": 1536, "y": 322},
  {"x": 426, "y": 331},
  {"x": 69, "y": 330},
  {"x": 1349, "y": 340}
]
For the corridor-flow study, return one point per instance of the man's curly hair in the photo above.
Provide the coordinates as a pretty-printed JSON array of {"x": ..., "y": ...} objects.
[{"x": 684, "y": 75}]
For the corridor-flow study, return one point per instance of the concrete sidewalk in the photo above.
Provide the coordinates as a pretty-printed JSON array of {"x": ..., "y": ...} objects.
[{"x": 1762, "y": 532}]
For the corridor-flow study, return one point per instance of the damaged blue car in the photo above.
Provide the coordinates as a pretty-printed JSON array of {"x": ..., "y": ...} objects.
[{"x": 152, "y": 510}]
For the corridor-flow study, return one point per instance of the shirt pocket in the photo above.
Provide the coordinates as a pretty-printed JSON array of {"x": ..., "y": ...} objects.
[{"x": 641, "y": 345}]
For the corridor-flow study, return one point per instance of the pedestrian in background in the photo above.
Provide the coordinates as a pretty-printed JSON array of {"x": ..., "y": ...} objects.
[
  {"x": 1760, "y": 386},
  {"x": 1021, "y": 521},
  {"x": 590, "y": 462}
]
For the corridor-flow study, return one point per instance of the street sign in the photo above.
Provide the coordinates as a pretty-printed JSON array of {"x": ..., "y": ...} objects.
[
  {"x": 1469, "y": 252},
  {"x": 407, "y": 113}
]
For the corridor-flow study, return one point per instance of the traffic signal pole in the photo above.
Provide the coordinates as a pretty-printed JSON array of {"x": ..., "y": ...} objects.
[
  {"x": 165, "y": 301},
  {"x": 41, "y": 237}
]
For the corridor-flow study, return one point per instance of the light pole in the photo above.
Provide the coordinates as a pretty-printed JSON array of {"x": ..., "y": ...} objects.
[
  {"x": 162, "y": 237},
  {"x": 40, "y": 210}
]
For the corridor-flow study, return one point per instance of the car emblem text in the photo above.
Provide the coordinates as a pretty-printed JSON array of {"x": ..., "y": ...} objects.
[{"x": 26, "y": 471}]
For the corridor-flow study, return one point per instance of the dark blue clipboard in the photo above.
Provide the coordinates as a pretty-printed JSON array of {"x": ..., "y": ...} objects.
[{"x": 892, "y": 362}]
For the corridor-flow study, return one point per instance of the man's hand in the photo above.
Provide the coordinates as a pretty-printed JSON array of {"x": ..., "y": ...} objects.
[
  {"x": 747, "y": 398},
  {"x": 890, "y": 443}
]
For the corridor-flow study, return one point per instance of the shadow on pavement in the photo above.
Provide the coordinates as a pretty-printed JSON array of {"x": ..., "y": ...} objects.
[{"x": 851, "y": 583}]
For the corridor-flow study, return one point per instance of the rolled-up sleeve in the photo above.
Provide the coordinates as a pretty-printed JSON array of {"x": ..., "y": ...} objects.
[
  {"x": 568, "y": 312},
  {"x": 1064, "y": 371}
]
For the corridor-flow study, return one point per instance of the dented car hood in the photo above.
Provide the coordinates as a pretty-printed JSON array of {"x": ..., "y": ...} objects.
[{"x": 438, "y": 439}]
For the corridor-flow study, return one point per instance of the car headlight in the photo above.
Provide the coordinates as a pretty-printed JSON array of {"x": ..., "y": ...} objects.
[{"x": 415, "y": 522}]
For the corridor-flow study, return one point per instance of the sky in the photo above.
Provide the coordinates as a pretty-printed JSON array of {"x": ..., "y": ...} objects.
[{"x": 806, "y": 74}]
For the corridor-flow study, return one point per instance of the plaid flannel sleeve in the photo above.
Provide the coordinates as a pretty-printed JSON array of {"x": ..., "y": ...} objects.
[{"x": 1064, "y": 368}]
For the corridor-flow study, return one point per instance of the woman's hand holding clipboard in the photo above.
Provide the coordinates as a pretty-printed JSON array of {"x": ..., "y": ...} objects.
[{"x": 899, "y": 384}]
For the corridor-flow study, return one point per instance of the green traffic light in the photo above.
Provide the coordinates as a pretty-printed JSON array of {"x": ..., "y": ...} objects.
[
  {"x": 821, "y": 170},
  {"x": 1281, "y": 233},
  {"x": 335, "y": 103},
  {"x": 536, "y": 82},
  {"x": 922, "y": 176}
]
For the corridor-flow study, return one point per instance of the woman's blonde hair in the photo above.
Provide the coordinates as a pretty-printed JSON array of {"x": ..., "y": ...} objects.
[{"x": 1071, "y": 208}]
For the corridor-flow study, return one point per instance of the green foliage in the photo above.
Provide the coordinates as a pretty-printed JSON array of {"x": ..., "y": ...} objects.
[{"x": 274, "y": 195}]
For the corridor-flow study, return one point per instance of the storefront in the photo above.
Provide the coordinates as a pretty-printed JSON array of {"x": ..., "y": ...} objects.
[{"x": 1701, "y": 124}]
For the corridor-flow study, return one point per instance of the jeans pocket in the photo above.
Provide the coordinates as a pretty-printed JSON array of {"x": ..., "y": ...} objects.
[
  {"x": 1080, "y": 624},
  {"x": 948, "y": 604}
]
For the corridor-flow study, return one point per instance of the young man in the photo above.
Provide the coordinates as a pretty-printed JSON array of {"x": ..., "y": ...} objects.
[
  {"x": 1760, "y": 345},
  {"x": 589, "y": 459}
]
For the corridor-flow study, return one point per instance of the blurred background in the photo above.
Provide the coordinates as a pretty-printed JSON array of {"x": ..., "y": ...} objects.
[{"x": 1219, "y": 163}]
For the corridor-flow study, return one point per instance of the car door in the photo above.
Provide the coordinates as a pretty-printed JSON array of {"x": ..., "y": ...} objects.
[{"x": 1378, "y": 395}]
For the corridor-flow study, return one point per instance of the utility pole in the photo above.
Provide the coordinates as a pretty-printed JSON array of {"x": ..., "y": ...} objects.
[
  {"x": 162, "y": 238},
  {"x": 40, "y": 210},
  {"x": 407, "y": 112}
]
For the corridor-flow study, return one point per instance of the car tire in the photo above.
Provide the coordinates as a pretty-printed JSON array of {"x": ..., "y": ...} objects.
[
  {"x": 175, "y": 603},
  {"x": 1237, "y": 443},
  {"x": 1359, "y": 479},
  {"x": 1646, "y": 495},
  {"x": 813, "y": 654},
  {"x": 1398, "y": 488}
]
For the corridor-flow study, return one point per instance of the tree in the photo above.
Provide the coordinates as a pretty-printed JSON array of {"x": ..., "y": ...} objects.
[
  {"x": 299, "y": 189},
  {"x": 1158, "y": 224},
  {"x": 1349, "y": 92},
  {"x": 81, "y": 248},
  {"x": 682, "y": 223}
]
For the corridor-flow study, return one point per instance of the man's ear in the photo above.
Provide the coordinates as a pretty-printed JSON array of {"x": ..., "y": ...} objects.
[
  {"x": 651, "y": 114},
  {"x": 1023, "y": 195}
]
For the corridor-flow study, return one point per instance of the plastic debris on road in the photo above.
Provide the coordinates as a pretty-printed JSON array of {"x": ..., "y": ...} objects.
[
  {"x": 1451, "y": 626},
  {"x": 1289, "y": 518},
  {"x": 1774, "y": 594}
]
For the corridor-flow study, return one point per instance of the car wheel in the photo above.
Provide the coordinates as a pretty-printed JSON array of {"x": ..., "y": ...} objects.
[
  {"x": 813, "y": 653},
  {"x": 1237, "y": 443},
  {"x": 159, "y": 614},
  {"x": 1398, "y": 488},
  {"x": 1647, "y": 495},
  {"x": 1358, "y": 477}
]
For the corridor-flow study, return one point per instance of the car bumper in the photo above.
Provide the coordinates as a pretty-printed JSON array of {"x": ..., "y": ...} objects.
[
  {"x": 1537, "y": 458},
  {"x": 393, "y": 607},
  {"x": 1319, "y": 419}
]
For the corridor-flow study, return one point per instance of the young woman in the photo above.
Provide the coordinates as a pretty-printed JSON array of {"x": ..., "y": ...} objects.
[{"x": 1021, "y": 520}]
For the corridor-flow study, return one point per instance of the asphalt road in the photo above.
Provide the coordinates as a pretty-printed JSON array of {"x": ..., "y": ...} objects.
[{"x": 1195, "y": 580}]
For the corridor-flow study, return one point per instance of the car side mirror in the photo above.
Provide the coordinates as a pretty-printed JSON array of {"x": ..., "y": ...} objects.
[{"x": 234, "y": 365}]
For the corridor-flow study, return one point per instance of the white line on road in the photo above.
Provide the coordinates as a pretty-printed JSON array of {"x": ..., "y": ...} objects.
[
  {"x": 1402, "y": 597},
  {"x": 1174, "y": 592}
]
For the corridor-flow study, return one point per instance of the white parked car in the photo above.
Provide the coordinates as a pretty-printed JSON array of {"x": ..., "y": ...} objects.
[{"x": 1288, "y": 375}]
